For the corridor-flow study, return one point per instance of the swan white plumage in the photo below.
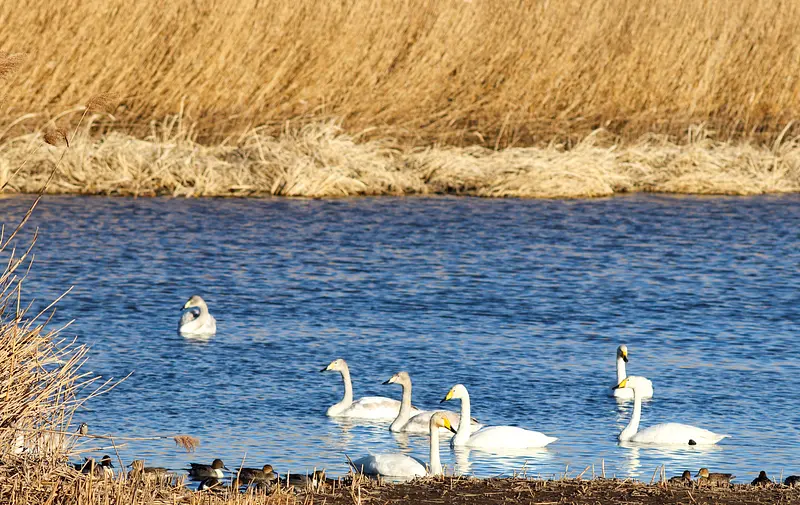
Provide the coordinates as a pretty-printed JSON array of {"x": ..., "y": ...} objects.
[
  {"x": 196, "y": 321},
  {"x": 624, "y": 393},
  {"x": 500, "y": 438},
  {"x": 401, "y": 465},
  {"x": 419, "y": 423},
  {"x": 666, "y": 433},
  {"x": 367, "y": 407}
]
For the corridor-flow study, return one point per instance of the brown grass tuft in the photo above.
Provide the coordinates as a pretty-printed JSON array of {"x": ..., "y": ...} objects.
[
  {"x": 10, "y": 63},
  {"x": 56, "y": 137},
  {"x": 187, "y": 442},
  {"x": 103, "y": 102}
]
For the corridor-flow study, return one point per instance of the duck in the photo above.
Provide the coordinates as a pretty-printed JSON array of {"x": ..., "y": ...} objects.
[
  {"x": 683, "y": 479},
  {"x": 419, "y": 423},
  {"x": 666, "y": 433},
  {"x": 792, "y": 481},
  {"x": 196, "y": 321},
  {"x": 762, "y": 480},
  {"x": 627, "y": 394},
  {"x": 491, "y": 438},
  {"x": 316, "y": 479},
  {"x": 713, "y": 479},
  {"x": 199, "y": 471},
  {"x": 210, "y": 484},
  {"x": 262, "y": 475},
  {"x": 367, "y": 407},
  {"x": 137, "y": 468},
  {"x": 402, "y": 465},
  {"x": 91, "y": 467}
]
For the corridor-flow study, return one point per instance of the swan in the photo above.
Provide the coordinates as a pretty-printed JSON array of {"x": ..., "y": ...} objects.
[
  {"x": 667, "y": 433},
  {"x": 401, "y": 465},
  {"x": 196, "y": 322},
  {"x": 406, "y": 423},
  {"x": 492, "y": 438},
  {"x": 367, "y": 407},
  {"x": 622, "y": 393}
]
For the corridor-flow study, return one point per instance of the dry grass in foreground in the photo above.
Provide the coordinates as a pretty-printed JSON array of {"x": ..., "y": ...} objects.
[
  {"x": 320, "y": 160},
  {"x": 67, "y": 486},
  {"x": 498, "y": 72}
]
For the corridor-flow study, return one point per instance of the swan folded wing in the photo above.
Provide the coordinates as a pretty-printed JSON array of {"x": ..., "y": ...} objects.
[
  {"x": 508, "y": 437},
  {"x": 627, "y": 394},
  {"x": 373, "y": 407},
  {"x": 392, "y": 465},
  {"x": 196, "y": 325},
  {"x": 676, "y": 433}
]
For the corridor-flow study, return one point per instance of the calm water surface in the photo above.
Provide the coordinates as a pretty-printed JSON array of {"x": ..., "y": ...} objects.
[{"x": 524, "y": 302}]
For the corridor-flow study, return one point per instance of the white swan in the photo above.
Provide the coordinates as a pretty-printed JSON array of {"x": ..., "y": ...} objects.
[
  {"x": 368, "y": 407},
  {"x": 667, "y": 433},
  {"x": 623, "y": 393},
  {"x": 196, "y": 322},
  {"x": 500, "y": 438},
  {"x": 419, "y": 423},
  {"x": 400, "y": 465}
]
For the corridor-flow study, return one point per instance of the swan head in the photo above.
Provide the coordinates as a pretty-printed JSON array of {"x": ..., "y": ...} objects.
[
  {"x": 456, "y": 392},
  {"x": 622, "y": 352},
  {"x": 632, "y": 382},
  {"x": 401, "y": 378},
  {"x": 337, "y": 365},
  {"x": 194, "y": 301},
  {"x": 440, "y": 420}
]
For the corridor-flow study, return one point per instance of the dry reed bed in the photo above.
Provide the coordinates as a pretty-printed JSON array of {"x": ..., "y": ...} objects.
[
  {"x": 321, "y": 160},
  {"x": 66, "y": 486},
  {"x": 498, "y": 73}
]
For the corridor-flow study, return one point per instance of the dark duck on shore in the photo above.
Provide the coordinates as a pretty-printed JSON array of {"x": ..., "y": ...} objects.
[
  {"x": 683, "y": 479},
  {"x": 762, "y": 480},
  {"x": 714, "y": 479},
  {"x": 199, "y": 471}
]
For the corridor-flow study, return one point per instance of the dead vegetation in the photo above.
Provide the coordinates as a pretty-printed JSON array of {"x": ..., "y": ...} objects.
[
  {"x": 321, "y": 160},
  {"x": 459, "y": 72}
]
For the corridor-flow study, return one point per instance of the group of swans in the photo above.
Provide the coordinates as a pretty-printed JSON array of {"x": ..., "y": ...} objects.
[
  {"x": 464, "y": 430},
  {"x": 408, "y": 419}
]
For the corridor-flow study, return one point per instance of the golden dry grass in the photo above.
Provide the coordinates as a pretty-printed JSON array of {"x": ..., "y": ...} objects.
[
  {"x": 461, "y": 72},
  {"x": 321, "y": 160}
]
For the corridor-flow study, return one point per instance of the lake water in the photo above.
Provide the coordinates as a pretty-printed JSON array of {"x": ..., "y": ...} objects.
[{"x": 524, "y": 302}]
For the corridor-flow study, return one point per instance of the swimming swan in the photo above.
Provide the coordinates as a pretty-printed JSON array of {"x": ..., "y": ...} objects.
[
  {"x": 196, "y": 322},
  {"x": 667, "y": 433},
  {"x": 623, "y": 393},
  {"x": 400, "y": 465},
  {"x": 368, "y": 407},
  {"x": 492, "y": 437},
  {"x": 405, "y": 423}
]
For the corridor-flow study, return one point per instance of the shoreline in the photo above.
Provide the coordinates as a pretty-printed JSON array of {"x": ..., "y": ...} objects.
[{"x": 322, "y": 161}]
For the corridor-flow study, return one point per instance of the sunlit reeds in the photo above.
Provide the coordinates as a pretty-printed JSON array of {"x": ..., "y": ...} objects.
[{"x": 497, "y": 73}]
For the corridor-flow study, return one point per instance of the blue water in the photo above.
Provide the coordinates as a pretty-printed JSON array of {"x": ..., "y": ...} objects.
[{"x": 522, "y": 301}]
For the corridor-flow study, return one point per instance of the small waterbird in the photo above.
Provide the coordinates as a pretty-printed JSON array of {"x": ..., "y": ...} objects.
[
  {"x": 199, "y": 471},
  {"x": 315, "y": 480},
  {"x": 714, "y": 479},
  {"x": 137, "y": 468},
  {"x": 792, "y": 481},
  {"x": 196, "y": 320},
  {"x": 262, "y": 475},
  {"x": 90, "y": 467},
  {"x": 83, "y": 429},
  {"x": 762, "y": 480},
  {"x": 210, "y": 484},
  {"x": 683, "y": 479}
]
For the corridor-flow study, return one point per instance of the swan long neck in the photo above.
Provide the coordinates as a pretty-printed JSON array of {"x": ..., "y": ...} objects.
[
  {"x": 348, "y": 387},
  {"x": 436, "y": 463},
  {"x": 633, "y": 425},
  {"x": 621, "y": 374},
  {"x": 405, "y": 408},
  {"x": 464, "y": 423}
]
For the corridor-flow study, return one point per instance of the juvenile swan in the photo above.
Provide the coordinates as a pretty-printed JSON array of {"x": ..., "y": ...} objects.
[
  {"x": 368, "y": 407},
  {"x": 492, "y": 437},
  {"x": 400, "y": 465},
  {"x": 667, "y": 433},
  {"x": 405, "y": 423},
  {"x": 622, "y": 393},
  {"x": 196, "y": 321}
]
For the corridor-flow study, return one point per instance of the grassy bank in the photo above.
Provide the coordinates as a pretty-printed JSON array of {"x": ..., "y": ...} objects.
[
  {"x": 459, "y": 72},
  {"x": 321, "y": 160}
]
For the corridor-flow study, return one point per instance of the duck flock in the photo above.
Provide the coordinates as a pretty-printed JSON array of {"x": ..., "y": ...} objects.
[{"x": 460, "y": 427}]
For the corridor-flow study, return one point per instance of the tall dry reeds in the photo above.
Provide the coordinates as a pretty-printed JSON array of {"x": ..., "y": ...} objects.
[{"x": 496, "y": 73}]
